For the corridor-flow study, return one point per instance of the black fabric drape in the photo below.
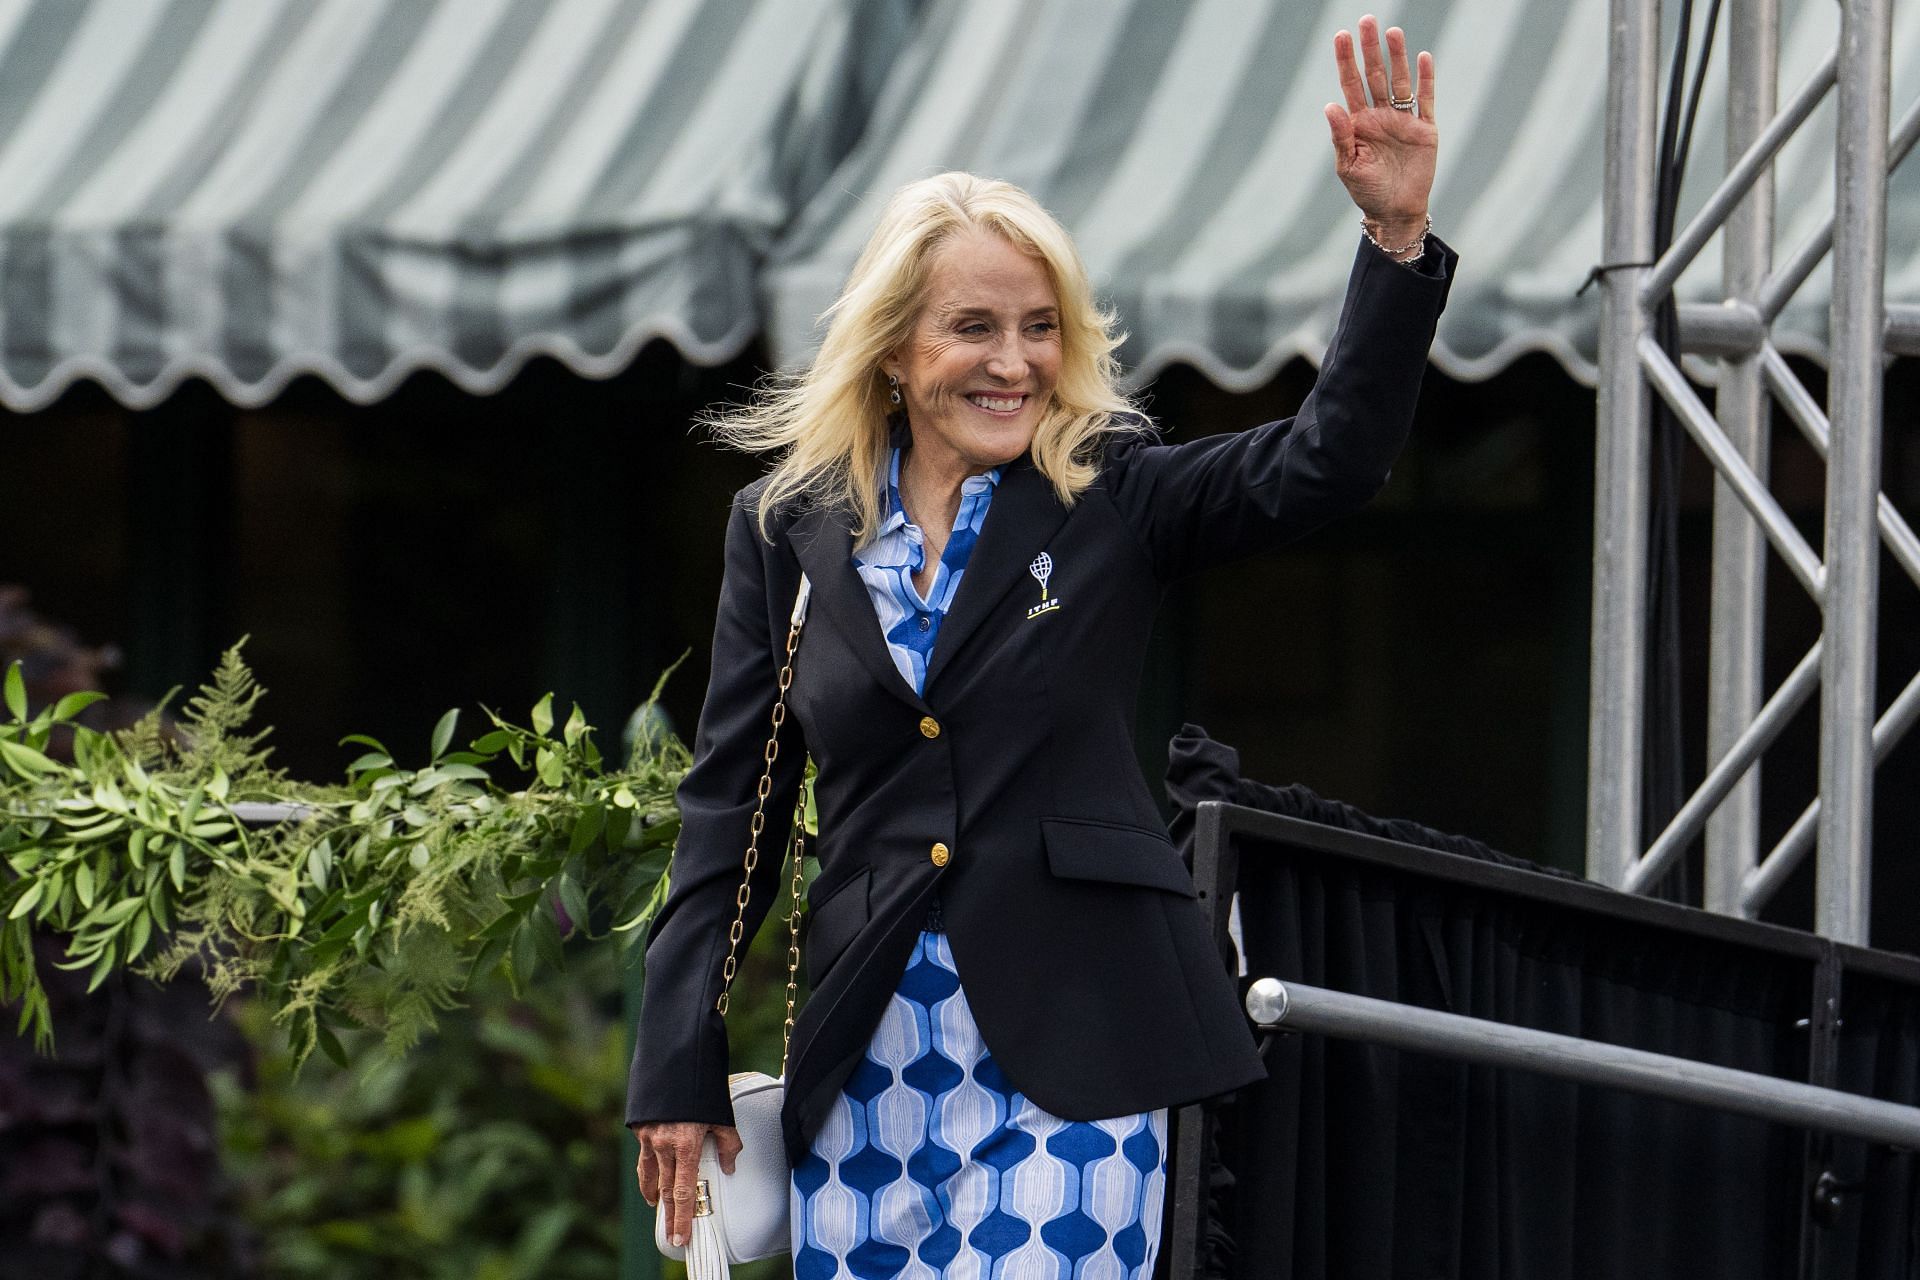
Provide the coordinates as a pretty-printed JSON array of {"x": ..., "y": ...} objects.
[{"x": 1356, "y": 1161}]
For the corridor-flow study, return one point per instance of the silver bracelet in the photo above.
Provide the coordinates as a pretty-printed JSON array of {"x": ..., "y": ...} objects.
[{"x": 1419, "y": 242}]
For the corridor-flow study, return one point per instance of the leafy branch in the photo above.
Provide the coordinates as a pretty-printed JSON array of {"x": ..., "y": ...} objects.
[{"x": 373, "y": 903}]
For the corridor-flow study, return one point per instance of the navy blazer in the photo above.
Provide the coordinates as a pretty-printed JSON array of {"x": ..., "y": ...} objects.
[{"x": 1012, "y": 785}]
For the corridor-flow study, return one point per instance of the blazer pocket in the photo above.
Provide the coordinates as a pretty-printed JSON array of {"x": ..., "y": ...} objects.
[
  {"x": 834, "y": 921},
  {"x": 1087, "y": 849}
]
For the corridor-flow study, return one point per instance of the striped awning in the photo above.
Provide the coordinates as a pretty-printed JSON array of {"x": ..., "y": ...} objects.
[
  {"x": 1182, "y": 142},
  {"x": 248, "y": 190}
]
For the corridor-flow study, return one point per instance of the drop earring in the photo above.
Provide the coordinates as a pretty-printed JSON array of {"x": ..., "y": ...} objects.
[{"x": 893, "y": 389}]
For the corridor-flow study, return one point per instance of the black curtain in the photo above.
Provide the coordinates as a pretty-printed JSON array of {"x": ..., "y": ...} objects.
[{"x": 1357, "y": 1161}]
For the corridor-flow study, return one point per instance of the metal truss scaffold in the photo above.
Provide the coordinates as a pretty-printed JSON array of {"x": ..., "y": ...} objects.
[{"x": 1747, "y": 520}]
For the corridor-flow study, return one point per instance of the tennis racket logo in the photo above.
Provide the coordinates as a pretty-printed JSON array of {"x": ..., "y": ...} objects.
[{"x": 1042, "y": 570}]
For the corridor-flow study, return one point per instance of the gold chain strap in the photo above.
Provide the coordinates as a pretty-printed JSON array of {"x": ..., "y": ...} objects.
[{"x": 765, "y": 789}]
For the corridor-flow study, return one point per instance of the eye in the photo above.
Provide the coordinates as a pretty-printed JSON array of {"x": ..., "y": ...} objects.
[
  {"x": 1043, "y": 327},
  {"x": 973, "y": 328}
]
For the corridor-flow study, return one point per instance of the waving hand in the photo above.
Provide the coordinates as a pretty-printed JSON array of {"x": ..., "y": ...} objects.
[{"x": 1384, "y": 154}]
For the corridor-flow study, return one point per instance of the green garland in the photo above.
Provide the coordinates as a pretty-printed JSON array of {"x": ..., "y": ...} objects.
[{"x": 374, "y": 907}]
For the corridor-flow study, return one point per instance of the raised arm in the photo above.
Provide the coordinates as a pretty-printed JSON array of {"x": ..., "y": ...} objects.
[{"x": 1211, "y": 500}]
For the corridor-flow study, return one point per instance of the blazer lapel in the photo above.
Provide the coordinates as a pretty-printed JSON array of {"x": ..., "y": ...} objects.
[
  {"x": 1024, "y": 515},
  {"x": 824, "y": 544}
]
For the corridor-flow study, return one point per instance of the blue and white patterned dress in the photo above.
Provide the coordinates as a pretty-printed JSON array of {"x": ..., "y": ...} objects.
[{"x": 930, "y": 1163}]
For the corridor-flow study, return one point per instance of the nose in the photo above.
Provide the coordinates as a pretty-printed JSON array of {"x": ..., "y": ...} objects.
[{"x": 1007, "y": 362}]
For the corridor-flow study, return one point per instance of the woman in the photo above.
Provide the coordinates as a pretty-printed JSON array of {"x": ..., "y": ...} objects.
[{"x": 1012, "y": 980}]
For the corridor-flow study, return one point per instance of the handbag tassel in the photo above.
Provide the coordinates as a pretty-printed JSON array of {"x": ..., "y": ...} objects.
[{"x": 706, "y": 1255}]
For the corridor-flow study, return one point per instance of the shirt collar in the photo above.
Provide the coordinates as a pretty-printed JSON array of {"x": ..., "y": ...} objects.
[{"x": 896, "y": 514}]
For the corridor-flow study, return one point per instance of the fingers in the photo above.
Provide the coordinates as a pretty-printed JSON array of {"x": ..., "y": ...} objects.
[
  {"x": 1426, "y": 86},
  {"x": 1400, "y": 76},
  {"x": 1341, "y": 126},
  {"x": 668, "y": 1168},
  {"x": 679, "y": 1201},
  {"x": 648, "y": 1170},
  {"x": 1349, "y": 74},
  {"x": 727, "y": 1144},
  {"x": 1376, "y": 65}
]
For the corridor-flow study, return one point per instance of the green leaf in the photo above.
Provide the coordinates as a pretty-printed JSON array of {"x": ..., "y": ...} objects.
[
  {"x": 218, "y": 787},
  {"x": 586, "y": 829},
  {"x": 616, "y": 829},
  {"x": 493, "y": 742},
  {"x": 137, "y": 848},
  {"x": 574, "y": 899},
  {"x": 24, "y": 759},
  {"x": 443, "y": 733},
  {"x": 102, "y": 968},
  {"x": 17, "y": 691},
  {"x": 500, "y": 926},
  {"x": 548, "y": 766},
  {"x": 465, "y": 772},
  {"x": 83, "y": 885},
  {"x": 542, "y": 716},
  {"x": 576, "y": 725},
  {"x": 371, "y": 760},
  {"x": 320, "y": 861},
  {"x": 330, "y": 1045},
  {"x": 545, "y": 927},
  {"x": 25, "y": 902},
  {"x": 142, "y": 930},
  {"x": 363, "y": 740},
  {"x": 520, "y": 902},
  {"x": 177, "y": 867},
  {"x": 485, "y": 960},
  {"x": 106, "y": 826},
  {"x": 74, "y": 703}
]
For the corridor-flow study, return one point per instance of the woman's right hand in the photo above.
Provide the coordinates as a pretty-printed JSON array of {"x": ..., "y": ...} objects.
[{"x": 670, "y": 1165}]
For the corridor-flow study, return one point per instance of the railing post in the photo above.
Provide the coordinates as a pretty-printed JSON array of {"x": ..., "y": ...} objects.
[
  {"x": 1615, "y": 731},
  {"x": 1842, "y": 882},
  {"x": 1736, "y": 643}
]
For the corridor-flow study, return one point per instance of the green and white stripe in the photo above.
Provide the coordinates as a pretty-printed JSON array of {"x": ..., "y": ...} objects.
[{"x": 249, "y": 190}]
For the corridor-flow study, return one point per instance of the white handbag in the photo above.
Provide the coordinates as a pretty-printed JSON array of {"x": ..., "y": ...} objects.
[{"x": 742, "y": 1216}]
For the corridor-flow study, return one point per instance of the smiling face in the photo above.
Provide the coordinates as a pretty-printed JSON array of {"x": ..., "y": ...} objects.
[{"x": 978, "y": 370}]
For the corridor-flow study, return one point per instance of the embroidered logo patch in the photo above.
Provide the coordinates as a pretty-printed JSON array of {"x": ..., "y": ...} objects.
[{"x": 1042, "y": 569}]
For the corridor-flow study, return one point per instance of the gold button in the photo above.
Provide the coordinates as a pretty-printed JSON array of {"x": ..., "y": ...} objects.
[
  {"x": 940, "y": 855},
  {"x": 929, "y": 727}
]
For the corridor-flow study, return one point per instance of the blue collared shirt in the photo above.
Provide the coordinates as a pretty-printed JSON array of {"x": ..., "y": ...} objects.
[{"x": 888, "y": 561}]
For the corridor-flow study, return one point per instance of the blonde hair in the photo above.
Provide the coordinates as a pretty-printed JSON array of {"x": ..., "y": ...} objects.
[{"x": 829, "y": 422}]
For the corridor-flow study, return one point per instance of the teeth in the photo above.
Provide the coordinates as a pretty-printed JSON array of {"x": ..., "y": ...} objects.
[{"x": 997, "y": 405}]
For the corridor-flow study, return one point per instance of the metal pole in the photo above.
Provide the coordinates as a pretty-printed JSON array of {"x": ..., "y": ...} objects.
[
  {"x": 1842, "y": 883},
  {"x": 1737, "y": 614},
  {"x": 1615, "y": 728},
  {"x": 1799, "y": 404},
  {"x": 1773, "y": 871},
  {"x": 1746, "y": 167},
  {"x": 1409, "y": 1027},
  {"x": 1781, "y": 285},
  {"x": 1733, "y": 767},
  {"x": 1672, "y": 386}
]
